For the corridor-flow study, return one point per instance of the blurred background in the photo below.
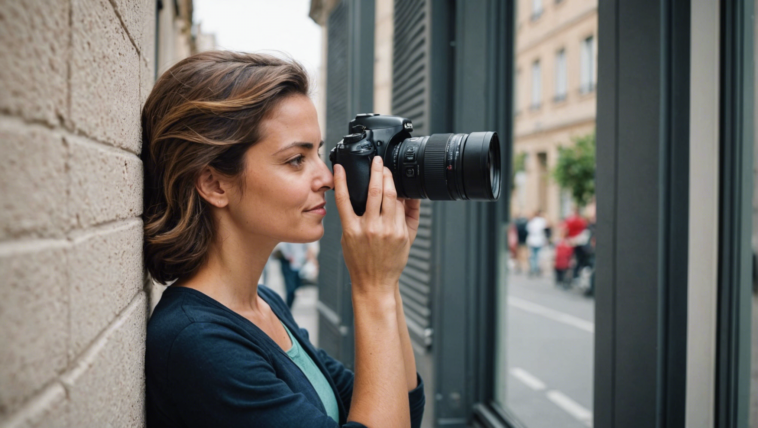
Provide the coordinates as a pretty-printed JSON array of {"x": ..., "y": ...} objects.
[{"x": 612, "y": 285}]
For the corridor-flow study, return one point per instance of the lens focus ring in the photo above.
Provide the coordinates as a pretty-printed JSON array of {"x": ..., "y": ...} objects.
[{"x": 435, "y": 181}]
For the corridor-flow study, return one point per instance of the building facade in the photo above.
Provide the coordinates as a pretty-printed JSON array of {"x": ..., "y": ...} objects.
[{"x": 556, "y": 76}]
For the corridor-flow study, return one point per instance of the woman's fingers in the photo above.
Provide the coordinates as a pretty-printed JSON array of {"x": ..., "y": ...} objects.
[
  {"x": 389, "y": 199},
  {"x": 342, "y": 196},
  {"x": 375, "y": 188},
  {"x": 412, "y": 208}
]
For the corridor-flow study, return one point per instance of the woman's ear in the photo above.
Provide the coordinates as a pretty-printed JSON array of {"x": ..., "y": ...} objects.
[{"x": 213, "y": 187}]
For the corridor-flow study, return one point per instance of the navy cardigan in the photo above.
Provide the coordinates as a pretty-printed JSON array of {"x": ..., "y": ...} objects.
[{"x": 207, "y": 366}]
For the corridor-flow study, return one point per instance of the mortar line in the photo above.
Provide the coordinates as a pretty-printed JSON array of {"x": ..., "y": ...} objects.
[
  {"x": 34, "y": 405},
  {"x": 63, "y": 130},
  {"x": 31, "y": 241},
  {"x": 123, "y": 25},
  {"x": 82, "y": 361}
]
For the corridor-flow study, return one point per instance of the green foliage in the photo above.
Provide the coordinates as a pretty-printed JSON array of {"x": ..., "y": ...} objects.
[
  {"x": 575, "y": 169},
  {"x": 519, "y": 164}
]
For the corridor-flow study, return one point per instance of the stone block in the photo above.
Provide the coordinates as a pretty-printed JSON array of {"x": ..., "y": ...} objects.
[
  {"x": 147, "y": 45},
  {"x": 105, "y": 183},
  {"x": 104, "y": 76},
  {"x": 34, "y": 315},
  {"x": 105, "y": 273},
  {"x": 46, "y": 410},
  {"x": 106, "y": 386},
  {"x": 34, "y": 37},
  {"x": 33, "y": 182}
]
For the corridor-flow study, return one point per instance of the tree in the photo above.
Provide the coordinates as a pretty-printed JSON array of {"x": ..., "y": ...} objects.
[{"x": 575, "y": 169}]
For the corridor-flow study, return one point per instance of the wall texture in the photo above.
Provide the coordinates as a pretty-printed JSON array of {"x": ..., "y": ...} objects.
[{"x": 73, "y": 304}]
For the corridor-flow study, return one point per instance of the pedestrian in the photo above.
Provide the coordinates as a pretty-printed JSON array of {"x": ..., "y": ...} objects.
[
  {"x": 590, "y": 250},
  {"x": 577, "y": 234},
  {"x": 562, "y": 263},
  {"x": 309, "y": 271},
  {"x": 232, "y": 168},
  {"x": 292, "y": 257},
  {"x": 522, "y": 252},
  {"x": 536, "y": 239}
]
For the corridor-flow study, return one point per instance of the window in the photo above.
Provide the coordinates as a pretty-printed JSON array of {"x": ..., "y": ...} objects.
[
  {"x": 516, "y": 93},
  {"x": 560, "y": 76},
  {"x": 536, "y": 85},
  {"x": 587, "y": 72},
  {"x": 536, "y": 9}
]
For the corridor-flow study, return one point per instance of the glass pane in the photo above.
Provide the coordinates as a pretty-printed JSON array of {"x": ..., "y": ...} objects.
[{"x": 546, "y": 306}]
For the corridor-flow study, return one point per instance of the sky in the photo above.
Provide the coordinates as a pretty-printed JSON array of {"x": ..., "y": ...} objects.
[{"x": 263, "y": 25}]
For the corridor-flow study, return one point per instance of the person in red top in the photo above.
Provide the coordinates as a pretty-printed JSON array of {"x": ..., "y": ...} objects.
[
  {"x": 563, "y": 253},
  {"x": 577, "y": 235},
  {"x": 575, "y": 224}
]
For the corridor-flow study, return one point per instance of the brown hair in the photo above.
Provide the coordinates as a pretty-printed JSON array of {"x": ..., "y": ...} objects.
[{"x": 205, "y": 111}]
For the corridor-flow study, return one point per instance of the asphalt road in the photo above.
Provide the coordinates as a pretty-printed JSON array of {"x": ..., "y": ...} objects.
[{"x": 549, "y": 357}]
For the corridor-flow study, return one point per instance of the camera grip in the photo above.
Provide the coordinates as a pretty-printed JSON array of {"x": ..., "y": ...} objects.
[{"x": 358, "y": 174}]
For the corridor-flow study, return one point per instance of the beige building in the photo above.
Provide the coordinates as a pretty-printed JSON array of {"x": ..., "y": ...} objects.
[
  {"x": 73, "y": 296},
  {"x": 556, "y": 69}
]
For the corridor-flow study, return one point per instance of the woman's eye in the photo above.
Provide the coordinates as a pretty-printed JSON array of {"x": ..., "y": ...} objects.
[{"x": 297, "y": 161}]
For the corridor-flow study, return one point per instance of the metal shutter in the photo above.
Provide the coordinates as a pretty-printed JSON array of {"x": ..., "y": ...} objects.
[
  {"x": 410, "y": 98},
  {"x": 335, "y": 310}
]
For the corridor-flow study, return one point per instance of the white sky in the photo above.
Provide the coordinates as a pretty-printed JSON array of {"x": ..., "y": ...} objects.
[{"x": 263, "y": 25}]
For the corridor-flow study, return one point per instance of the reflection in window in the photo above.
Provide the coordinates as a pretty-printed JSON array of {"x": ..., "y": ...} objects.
[
  {"x": 516, "y": 93},
  {"x": 536, "y": 85},
  {"x": 560, "y": 76},
  {"x": 536, "y": 9},
  {"x": 545, "y": 315},
  {"x": 587, "y": 72}
]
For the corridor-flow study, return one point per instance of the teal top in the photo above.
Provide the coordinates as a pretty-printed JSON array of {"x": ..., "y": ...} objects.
[{"x": 314, "y": 375}]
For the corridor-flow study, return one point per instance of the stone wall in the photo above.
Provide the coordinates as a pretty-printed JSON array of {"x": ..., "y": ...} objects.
[{"x": 73, "y": 304}]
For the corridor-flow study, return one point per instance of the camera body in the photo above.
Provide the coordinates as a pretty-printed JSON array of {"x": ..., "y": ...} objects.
[
  {"x": 369, "y": 135},
  {"x": 437, "y": 167}
]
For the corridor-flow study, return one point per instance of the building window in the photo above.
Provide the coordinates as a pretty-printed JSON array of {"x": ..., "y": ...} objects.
[
  {"x": 516, "y": 93},
  {"x": 536, "y": 85},
  {"x": 536, "y": 9},
  {"x": 587, "y": 72},
  {"x": 560, "y": 76}
]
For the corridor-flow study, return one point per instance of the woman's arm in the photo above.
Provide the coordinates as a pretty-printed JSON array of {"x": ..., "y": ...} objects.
[
  {"x": 379, "y": 395},
  {"x": 376, "y": 247},
  {"x": 409, "y": 358}
]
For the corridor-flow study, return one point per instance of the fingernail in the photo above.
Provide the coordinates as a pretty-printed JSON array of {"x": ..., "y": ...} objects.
[{"x": 378, "y": 160}]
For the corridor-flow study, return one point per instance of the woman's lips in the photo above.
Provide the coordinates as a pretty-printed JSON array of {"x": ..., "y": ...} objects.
[{"x": 321, "y": 210}]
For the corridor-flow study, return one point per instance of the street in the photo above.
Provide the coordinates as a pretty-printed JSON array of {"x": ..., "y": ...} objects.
[{"x": 550, "y": 341}]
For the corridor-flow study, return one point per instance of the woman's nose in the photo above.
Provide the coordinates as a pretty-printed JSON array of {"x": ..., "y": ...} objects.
[{"x": 325, "y": 178}]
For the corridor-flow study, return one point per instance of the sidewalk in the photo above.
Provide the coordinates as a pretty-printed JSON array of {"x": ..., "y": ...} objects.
[{"x": 306, "y": 298}]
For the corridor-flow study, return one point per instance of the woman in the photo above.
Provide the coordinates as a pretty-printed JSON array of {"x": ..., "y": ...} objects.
[{"x": 231, "y": 169}]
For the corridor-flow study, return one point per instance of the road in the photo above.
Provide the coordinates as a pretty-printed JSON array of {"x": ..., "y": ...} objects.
[{"x": 550, "y": 339}]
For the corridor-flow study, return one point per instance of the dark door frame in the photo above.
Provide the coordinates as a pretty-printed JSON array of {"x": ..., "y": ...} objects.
[{"x": 735, "y": 214}]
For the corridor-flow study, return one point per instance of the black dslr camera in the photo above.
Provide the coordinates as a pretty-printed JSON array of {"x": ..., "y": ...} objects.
[{"x": 440, "y": 167}]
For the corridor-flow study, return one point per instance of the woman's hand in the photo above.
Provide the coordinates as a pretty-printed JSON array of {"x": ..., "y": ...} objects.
[
  {"x": 375, "y": 245},
  {"x": 412, "y": 214}
]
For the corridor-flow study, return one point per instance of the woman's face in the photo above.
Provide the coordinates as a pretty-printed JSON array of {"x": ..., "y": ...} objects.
[{"x": 285, "y": 180}]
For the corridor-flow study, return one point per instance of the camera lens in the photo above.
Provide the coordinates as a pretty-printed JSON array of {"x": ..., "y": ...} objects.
[{"x": 448, "y": 167}]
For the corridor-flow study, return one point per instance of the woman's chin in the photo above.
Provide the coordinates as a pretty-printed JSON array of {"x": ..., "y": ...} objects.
[{"x": 311, "y": 234}]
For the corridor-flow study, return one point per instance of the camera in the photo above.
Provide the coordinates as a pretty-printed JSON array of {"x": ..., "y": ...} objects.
[{"x": 439, "y": 167}]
